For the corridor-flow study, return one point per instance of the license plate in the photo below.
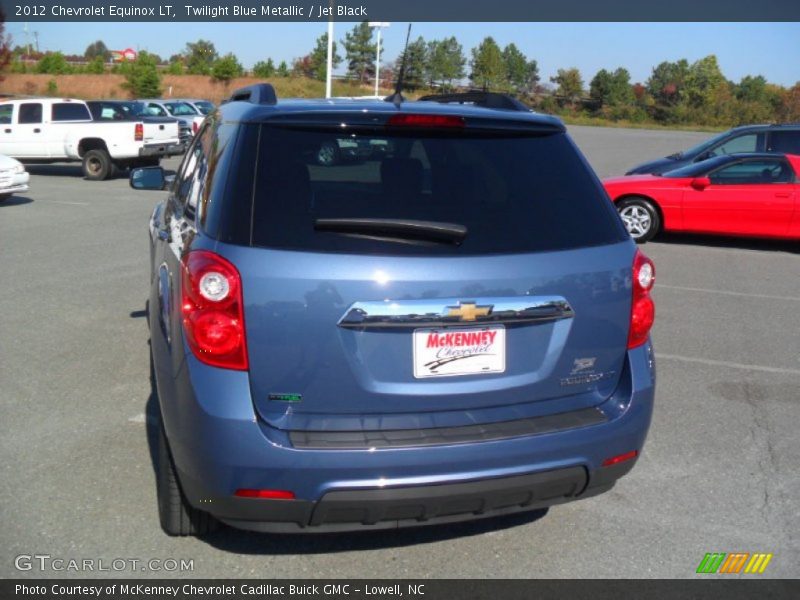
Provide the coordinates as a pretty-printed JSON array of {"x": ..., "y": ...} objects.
[{"x": 467, "y": 351}]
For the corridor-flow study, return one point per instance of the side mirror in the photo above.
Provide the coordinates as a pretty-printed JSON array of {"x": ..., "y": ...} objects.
[
  {"x": 148, "y": 178},
  {"x": 700, "y": 183}
]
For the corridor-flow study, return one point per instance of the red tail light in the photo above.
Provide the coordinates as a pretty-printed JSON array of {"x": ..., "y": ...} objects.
[
  {"x": 213, "y": 312},
  {"x": 138, "y": 132},
  {"x": 410, "y": 120},
  {"x": 268, "y": 494},
  {"x": 643, "y": 311},
  {"x": 194, "y": 127}
]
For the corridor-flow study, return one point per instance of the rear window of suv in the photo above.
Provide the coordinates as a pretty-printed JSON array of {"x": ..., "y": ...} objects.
[{"x": 512, "y": 194}]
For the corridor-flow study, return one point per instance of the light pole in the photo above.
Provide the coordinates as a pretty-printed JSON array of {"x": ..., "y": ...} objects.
[
  {"x": 329, "y": 72},
  {"x": 379, "y": 25}
]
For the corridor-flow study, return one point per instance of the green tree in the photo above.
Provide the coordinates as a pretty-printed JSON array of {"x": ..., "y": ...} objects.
[
  {"x": 667, "y": 83},
  {"x": 283, "y": 69},
  {"x": 446, "y": 61},
  {"x": 200, "y": 57},
  {"x": 753, "y": 89},
  {"x": 758, "y": 101},
  {"x": 516, "y": 68},
  {"x": 318, "y": 59},
  {"x": 488, "y": 66},
  {"x": 95, "y": 50},
  {"x": 600, "y": 87},
  {"x": 789, "y": 108},
  {"x": 360, "y": 52},
  {"x": 17, "y": 66},
  {"x": 226, "y": 68},
  {"x": 705, "y": 82},
  {"x": 612, "y": 89},
  {"x": 570, "y": 84},
  {"x": 142, "y": 78},
  {"x": 175, "y": 67},
  {"x": 416, "y": 58},
  {"x": 96, "y": 66},
  {"x": 53, "y": 63},
  {"x": 533, "y": 76},
  {"x": 264, "y": 68}
]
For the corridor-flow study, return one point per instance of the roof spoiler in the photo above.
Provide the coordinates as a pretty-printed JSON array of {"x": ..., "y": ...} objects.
[
  {"x": 479, "y": 98},
  {"x": 260, "y": 93}
]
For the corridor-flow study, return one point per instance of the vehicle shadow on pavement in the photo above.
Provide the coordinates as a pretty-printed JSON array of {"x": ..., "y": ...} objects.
[
  {"x": 247, "y": 542},
  {"x": 16, "y": 201},
  {"x": 67, "y": 170},
  {"x": 716, "y": 241},
  {"x": 152, "y": 415},
  {"x": 58, "y": 170}
]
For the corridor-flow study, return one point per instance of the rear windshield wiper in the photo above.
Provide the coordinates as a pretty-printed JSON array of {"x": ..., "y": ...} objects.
[{"x": 404, "y": 229}]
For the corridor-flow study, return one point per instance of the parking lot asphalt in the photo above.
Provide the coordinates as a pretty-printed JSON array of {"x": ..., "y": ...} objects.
[{"x": 718, "y": 473}]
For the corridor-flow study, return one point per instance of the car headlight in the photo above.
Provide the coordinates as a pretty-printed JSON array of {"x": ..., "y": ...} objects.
[{"x": 18, "y": 169}]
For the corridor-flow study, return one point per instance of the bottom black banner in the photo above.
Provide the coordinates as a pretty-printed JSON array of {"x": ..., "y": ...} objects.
[{"x": 379, "y": 589}]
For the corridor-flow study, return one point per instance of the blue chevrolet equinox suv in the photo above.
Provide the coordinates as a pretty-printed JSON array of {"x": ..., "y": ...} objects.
[{"x": 454, "y": 325}]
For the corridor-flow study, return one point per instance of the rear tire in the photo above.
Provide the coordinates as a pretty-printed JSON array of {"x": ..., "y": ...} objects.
[
  {"x": 178, "y": 517},
  {"x": 4, "y": 197},
  {"x": 640, "y": 217},
  {"x": 97, "y": 165}
]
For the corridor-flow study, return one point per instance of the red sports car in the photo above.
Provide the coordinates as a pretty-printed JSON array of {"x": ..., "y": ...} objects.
[{"x": 755, "y": 194}]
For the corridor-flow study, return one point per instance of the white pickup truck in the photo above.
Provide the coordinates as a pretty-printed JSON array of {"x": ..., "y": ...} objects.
[{"x": 46, "y": 130}]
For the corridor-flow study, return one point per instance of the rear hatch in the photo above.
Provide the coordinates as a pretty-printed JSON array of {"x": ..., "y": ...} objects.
[{"x": 455, "y": 277}]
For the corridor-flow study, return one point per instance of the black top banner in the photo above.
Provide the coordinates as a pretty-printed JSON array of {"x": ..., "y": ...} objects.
[{"x": 401, "y": 10}]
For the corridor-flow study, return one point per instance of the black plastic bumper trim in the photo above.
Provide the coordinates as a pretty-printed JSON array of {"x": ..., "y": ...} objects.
[
  {"x": 401, "y": 438},
  {"x": 394, "y": 507}
]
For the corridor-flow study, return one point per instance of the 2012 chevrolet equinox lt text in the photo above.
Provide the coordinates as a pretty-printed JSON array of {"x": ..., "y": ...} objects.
[{"x": 448, "y": 323}]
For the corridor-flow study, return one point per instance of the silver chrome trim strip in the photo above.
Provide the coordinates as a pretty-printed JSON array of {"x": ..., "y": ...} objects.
[{"x": 436, "y": 313}]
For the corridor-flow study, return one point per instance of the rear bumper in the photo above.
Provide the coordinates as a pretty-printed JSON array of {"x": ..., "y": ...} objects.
[
  {"x": 414, "y": 506},
  {"x": 153, "y": 150},
  {"x": 219, "y": 446}
]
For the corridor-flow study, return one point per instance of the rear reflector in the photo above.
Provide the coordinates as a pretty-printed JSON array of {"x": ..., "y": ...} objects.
[
  {"x": 407, "y": 120},
  {"x": 615, "y": 460},
  {"x": 267, "y": 494}
]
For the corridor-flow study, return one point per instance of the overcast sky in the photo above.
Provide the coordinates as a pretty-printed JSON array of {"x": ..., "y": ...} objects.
[{"x": 769, "y": 49}]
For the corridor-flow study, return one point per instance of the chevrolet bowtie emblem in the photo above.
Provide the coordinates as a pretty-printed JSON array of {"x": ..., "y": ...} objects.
[{"x": 468, "y": 311}]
